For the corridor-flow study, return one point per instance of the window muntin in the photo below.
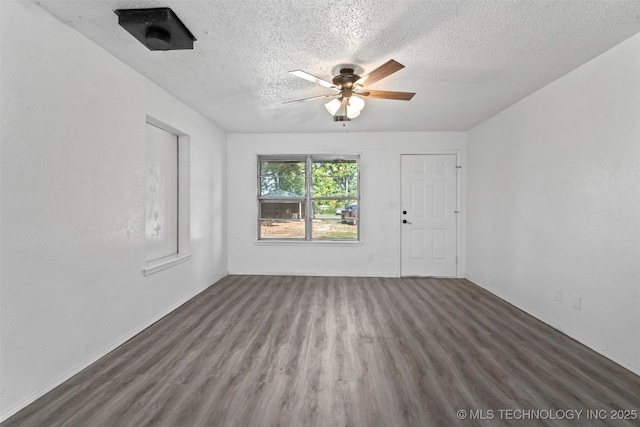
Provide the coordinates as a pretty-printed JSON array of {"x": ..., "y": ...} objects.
[{"x": 324, "y": 184}]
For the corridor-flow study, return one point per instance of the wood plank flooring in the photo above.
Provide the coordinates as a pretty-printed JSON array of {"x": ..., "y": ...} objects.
[{"x": 330, "y": 351}]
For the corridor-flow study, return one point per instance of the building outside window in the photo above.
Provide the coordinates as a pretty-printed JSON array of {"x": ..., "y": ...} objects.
[{"x": 308, "y": 197}]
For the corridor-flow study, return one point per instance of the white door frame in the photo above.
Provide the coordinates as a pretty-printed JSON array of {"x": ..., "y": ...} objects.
[{"x": 460, "y": 218}]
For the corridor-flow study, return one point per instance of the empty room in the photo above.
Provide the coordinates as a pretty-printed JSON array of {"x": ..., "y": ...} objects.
[{"x": 320, "y": 213}]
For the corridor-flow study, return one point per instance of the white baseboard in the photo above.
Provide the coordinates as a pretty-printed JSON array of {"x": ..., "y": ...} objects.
[{"x": 309, "y": 274}]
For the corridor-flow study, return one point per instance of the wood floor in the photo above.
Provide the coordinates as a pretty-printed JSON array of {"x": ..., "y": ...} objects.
[{"x": 328, "y": 351}]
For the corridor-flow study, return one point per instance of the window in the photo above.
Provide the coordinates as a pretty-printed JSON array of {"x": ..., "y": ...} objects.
[
  {"x": 166, "y": 197},
  {"x": 308, "y": 197},
  {"x": 161, "y": 202}
]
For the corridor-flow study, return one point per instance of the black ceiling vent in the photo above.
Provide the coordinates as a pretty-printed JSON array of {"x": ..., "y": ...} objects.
[{"x": 157, "y": 28}]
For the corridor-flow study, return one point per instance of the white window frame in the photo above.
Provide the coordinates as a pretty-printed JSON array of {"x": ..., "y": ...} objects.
[
  {"x": 184, "y": 203},
  {"x": 308, "y": 198}
]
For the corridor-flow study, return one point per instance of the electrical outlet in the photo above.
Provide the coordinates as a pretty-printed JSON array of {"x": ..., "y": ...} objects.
[
  {"x": 558, "y": 294},
  {"x": 577, "y": 302}
]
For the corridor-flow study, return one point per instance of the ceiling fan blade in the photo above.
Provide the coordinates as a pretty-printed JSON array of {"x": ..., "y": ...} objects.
[
  {"x": 385, "y": 94},
  {"x": 312, "y": 78},
  {"x": 329, "y": 95},
  {"x": 380, "y": 73}
]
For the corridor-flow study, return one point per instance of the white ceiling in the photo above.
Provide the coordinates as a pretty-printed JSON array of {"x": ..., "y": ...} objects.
[{"x": 466, "y": 59}]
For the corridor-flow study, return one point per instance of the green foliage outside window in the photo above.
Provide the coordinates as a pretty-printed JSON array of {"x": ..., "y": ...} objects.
[{"x": 279, "y": 178}]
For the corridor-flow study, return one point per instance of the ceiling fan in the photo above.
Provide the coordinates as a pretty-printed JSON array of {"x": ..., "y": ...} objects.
[{"x": 348, "y": 102}]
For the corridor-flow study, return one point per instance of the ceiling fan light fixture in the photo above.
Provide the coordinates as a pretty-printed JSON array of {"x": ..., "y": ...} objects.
[
  {"x": 356, "y": 104},
  {"x": 333, "y": 106},
  {"x": 342, "y": 111},
  {"x": 345, "y": 115},
  {"x": 345, "y": 107}
]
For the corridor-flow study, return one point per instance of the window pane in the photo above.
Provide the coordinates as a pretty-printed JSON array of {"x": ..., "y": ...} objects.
[
  {"x": 335, "y": 219},
  {"x": 282, "y": 210},
  {"x": 333, "y": 229},
  {"x": 335, "y": 178},
  {"x": 281, "y": 229},
  {"x": 282, "y": 220},
  {"x": 161, "y": 193},
  {"x": 282, "y": 179},
  {"x": 326, "y": 208}
]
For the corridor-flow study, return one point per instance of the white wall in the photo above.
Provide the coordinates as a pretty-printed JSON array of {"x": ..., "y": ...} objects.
[
  {"x": 554, "y": 203},
  {"x": 73, "y": 245},
  {"x": 379, "y": 251}
]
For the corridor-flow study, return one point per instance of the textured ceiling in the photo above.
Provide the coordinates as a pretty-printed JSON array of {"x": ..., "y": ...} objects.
[{"x": 466, "y": 60}]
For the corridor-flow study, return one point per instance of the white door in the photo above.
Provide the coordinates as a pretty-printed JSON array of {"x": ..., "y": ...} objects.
[{"x": 429, "y": 215}]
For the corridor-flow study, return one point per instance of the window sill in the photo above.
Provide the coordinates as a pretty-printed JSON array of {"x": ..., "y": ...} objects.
[
  {"x": 163, "y": 263},
  {"x": 292, "y": 242}
]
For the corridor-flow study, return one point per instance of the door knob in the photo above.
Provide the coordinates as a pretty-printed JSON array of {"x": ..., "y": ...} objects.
[{"x": 404, "y": 212}]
